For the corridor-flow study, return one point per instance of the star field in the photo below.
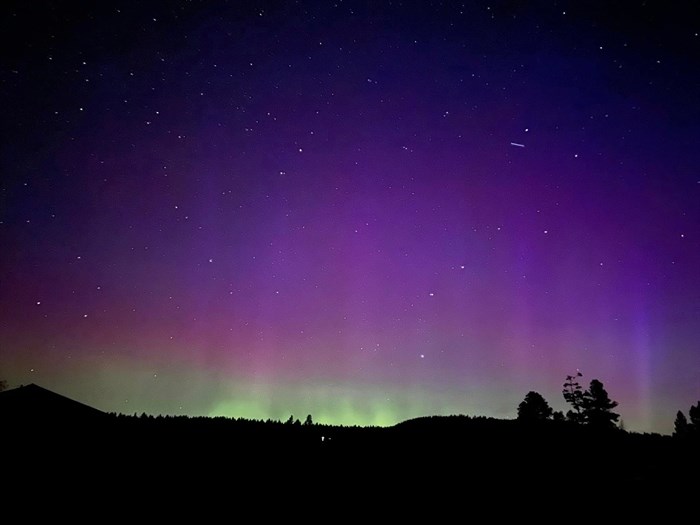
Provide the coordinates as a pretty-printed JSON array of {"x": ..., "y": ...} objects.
[{"x": 366, "y": 211}]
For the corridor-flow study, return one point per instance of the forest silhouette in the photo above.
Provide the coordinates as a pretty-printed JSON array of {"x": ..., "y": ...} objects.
[{"x": 540, "y": 445}]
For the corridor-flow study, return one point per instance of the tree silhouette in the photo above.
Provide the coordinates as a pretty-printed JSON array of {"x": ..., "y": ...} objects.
[
  {"x": 694, "y": 414},
  {"x": 681, "y": 428},
  {"x": 290, "y": 421},
  {"x": 308, "y": 421},
  {"x": 3, "y": 385},
  {"x": 684, "y": 428},
  {"x": 573, "y": 394},
  {"x": 598, "y": 406},
  {"x": 534, "y": 408}
]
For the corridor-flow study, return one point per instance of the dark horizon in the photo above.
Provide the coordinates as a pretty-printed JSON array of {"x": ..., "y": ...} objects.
[
  {"x": 53, "y": 433},
  {"x": 35, "y": 404}
]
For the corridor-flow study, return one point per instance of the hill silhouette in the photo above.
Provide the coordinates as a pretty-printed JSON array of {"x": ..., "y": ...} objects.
[
  {"x": 60, "y": 433},
  {"x": 33, "y": 403}
]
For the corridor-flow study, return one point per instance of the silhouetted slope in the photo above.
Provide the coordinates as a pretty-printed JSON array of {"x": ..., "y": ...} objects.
[{"x": 35, "y": 403}]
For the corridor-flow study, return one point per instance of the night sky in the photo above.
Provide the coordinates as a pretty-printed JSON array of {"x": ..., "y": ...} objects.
[{"x": 366, "y": 211}]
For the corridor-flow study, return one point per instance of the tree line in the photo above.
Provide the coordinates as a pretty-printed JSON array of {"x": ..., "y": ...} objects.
[
  {"x": 683, "y": 428},
  {"x": 593, "y": 407}
]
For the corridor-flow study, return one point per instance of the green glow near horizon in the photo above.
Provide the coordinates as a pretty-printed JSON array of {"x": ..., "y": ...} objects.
[
  {"x": 175, "y": 387},
  {"x": 157, "y": 386},
  {"x": 340, "y": 404}
]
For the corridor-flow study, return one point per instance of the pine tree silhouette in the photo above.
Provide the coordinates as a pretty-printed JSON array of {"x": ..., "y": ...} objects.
[
  {"x": 534, "y": 408},
  {"x": 573, "y": 394},
  {"x": 681, "y": 428},
  {"x": 598, "y": 406}
]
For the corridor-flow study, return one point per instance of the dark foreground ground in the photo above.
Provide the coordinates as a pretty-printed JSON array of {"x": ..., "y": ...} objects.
[
  {"x": 424, "y": 451},
  {"x": 77, "y": 452}
]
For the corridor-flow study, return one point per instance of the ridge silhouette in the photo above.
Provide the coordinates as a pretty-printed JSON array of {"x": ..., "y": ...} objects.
[{"x": 56, "y": 431}]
